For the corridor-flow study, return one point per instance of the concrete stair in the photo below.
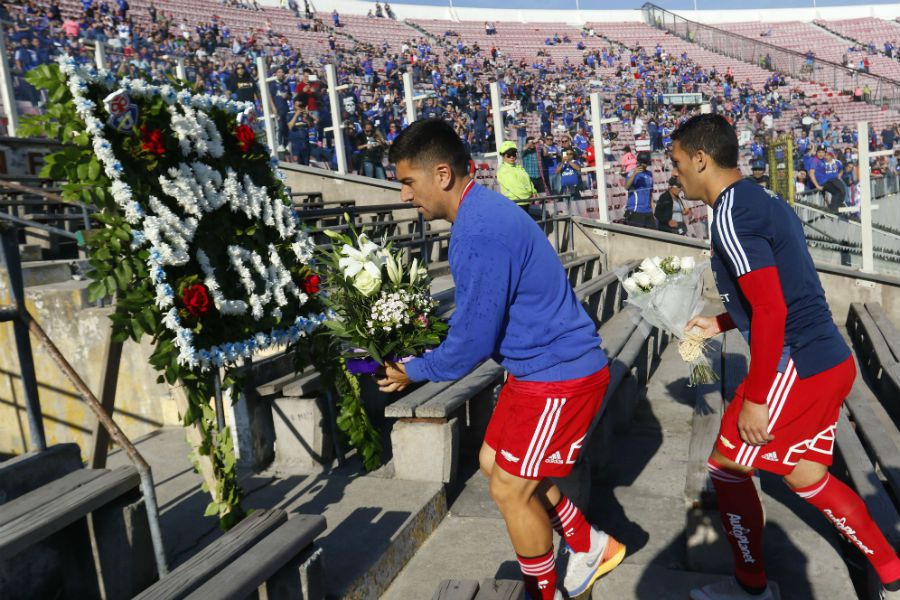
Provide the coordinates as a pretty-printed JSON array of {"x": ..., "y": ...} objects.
[{"x": 375, "y": 524}]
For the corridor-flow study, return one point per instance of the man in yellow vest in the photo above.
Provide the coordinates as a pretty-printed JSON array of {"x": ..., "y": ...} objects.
[{"x": 514, "y": 181}]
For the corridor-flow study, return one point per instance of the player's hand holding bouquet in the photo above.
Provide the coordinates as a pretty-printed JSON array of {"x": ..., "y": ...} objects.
[
  {"x": 669, "y": 293},
  {"x": 382, "y": 306}
]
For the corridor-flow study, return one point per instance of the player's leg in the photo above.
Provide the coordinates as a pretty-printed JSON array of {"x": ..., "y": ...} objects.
[
  {"x": 730, "y": 467},
  {"x": 567, "y": 520},
  {"x": 848, "y": 513},
  {"x": 529, "y": 531}
]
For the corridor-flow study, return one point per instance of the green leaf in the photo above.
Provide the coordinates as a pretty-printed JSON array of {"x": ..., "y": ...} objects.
[
  {"x": 212, "y": 509},
  {"x": 96, "y": 290}
]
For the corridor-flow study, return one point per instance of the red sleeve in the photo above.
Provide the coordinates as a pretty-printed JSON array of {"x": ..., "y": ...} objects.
[{"x": 762, "y": 288}]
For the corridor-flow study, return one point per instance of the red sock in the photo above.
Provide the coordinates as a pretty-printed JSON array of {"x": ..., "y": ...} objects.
[
  {"x": 846, "y": 511},
  {"x": 570, "y": 524},
  {"x": 742, "y": 517},
  {"x": 539, "y": 574}
]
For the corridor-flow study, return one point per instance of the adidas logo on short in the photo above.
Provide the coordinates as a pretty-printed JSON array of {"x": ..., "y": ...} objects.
[
  {"x": 770, "y": 456},
  {"x": 555, "y": 458}
]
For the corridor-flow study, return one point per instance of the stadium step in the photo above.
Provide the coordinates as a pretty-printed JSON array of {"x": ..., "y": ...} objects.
[{"x": 375, "y": 524}]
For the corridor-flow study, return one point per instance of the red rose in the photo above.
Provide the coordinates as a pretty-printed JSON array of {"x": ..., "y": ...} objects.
[
  {"x": 245, "y": 137},
  {"x": 152, "y": 141},
  {"x": 311, "y": 284},
  {"x": 196, "y": 299}
]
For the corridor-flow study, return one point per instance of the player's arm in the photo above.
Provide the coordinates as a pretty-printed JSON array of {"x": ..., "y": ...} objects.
[{"x": 483, "y": 283}]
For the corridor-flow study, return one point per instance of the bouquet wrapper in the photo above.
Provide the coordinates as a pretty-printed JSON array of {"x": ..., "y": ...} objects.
[
  {"x": 366, "y": 365},
  {"x": 671, "y": 305}
]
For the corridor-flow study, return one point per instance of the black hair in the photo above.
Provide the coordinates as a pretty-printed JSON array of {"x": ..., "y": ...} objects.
[
  {"x": 711, "y": 133},
  {"x": 673, "y": 182},
  {"x": 644, "y": 157},
  {"x": 430, "y": 141}
]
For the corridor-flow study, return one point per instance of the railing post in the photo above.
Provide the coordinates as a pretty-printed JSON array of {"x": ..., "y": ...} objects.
[
  {"x": 179, "y": 69},
  {"x": 9, "y": 251},
  {"x": 6, "y": 89},
  {"x": 408, "y": 96},
  {"x": 865, "y": 201},
  {"x": 268, "y": 117},
  {"x": 100, "y": 55},
  {"x": 599, "y": 161},
  {"x": 497, "y": 110},
  {"x": 336, "y": 129}
]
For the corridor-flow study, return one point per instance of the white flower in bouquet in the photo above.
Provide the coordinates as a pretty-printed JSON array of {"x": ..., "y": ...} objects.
[
  {"x": 657, "y": 278},
  {"x": 631, "y": 285},
  {"x": 643, "y": 280},
  {"x": 367, "y": 256},
  {"x": 687, "y": 264},
  {"x": 394, "y": 269},
  {"x": 648, "y": 265},
  {"x": 656, "y": 260},
  {"x": 416, "y": 271},
  {"x": 366, "y": 282}
]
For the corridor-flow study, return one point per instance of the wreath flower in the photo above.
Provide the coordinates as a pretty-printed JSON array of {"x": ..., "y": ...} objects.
[
  {"x": 152, "y": 141},
  {"x": 196, "y": 299},
  {"x": 245, "y": 137}
]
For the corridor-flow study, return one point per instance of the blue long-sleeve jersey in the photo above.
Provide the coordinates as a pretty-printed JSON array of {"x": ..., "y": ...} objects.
[{"x": 513, "y": 301}]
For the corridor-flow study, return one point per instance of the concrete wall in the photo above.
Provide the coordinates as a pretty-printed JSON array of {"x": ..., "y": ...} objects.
[
  {"x": 842, "y": 286},
  {"x": 80, "y": 331}
]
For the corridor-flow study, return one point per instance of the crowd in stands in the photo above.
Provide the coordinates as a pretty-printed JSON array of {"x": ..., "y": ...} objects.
[{"x": 547, "y": 90}]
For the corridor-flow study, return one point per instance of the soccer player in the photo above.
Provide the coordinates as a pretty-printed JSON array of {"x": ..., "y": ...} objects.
[
  {"x": 783, "y": 416},
  {"x": 514, "y": 304}
]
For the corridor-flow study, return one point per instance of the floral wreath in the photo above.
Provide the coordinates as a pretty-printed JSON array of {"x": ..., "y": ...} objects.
[{"x": 201, "y": 247}]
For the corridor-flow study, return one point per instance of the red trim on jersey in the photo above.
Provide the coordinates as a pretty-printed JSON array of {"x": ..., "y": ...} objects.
[
  {"x": 762, "y": 288},
  {"x": 466, "y": 191}
]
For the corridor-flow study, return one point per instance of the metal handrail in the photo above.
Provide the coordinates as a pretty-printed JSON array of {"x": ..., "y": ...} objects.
[{"x": 18, "y": 314}]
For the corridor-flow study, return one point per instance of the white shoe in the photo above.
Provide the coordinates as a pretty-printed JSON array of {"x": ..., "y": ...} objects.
[
  {"x": 730, "y": 589},
  {"x": 584, "y": 568}
]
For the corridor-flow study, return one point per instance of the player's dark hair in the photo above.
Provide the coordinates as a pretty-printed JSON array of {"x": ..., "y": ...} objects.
[
  {"x": 711, "y": 133},
  {"x": 428, "y": 142}
]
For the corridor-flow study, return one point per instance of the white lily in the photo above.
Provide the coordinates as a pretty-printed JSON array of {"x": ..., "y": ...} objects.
[
  {"x": 367, "y": 256},
  {"x": 414, "y": 271},
  {"x": 687, "y": 264},
  {"x": 394, "y": 270}
]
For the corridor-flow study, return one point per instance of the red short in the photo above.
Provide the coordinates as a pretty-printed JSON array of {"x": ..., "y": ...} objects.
[
  {"x": 538, "y": 428},
  {"x": 803, "y": 414}
]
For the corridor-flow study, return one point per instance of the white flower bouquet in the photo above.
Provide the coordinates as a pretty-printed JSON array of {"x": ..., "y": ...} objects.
[
  {"x": 382, "y": 306},
  {"x": 669, "y": 293}
]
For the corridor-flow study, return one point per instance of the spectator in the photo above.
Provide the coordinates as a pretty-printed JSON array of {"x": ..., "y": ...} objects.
[
  {"x": 531, "y": 164},
  {"x": 639, "y": 184},
  {"x": 669, "y": 210},
  {"x": 242, "y": 84},
  {"x": 826, "y": 177},
  {"x": 371, "y": 145},
  {"x": 800, "y": 183},
  {"x": 335, "y": 18},
  {"x": 758, "y": 172},
  {"x": 628, "y": 160},
  {"x": 298, "y": 132},
  {"x": 513, "y": 180},
  {"x": 569, "y": 172}
]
